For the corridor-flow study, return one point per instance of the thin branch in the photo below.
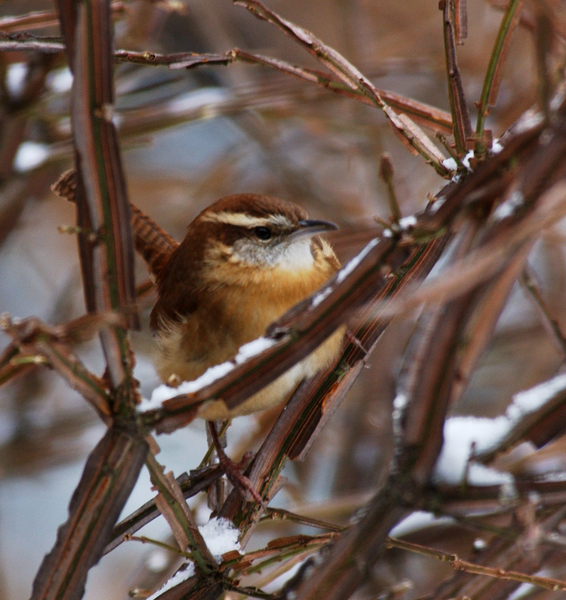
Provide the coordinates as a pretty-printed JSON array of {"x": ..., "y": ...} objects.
[
  {"x": 462, "y": 565},
  {"x": 427, "y": 115},
  {"x": 352, "y": 78},
  {"x": 492, "y": 78},
  {"x": 47, "y": 18},
  {"x": 458, "y": 106},
  {"x": 529, "y": 283},
  {"x": 173, "y": 507}
]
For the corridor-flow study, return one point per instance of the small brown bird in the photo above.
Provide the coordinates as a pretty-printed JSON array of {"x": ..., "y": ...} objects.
[{"x": 245, "y": 260}]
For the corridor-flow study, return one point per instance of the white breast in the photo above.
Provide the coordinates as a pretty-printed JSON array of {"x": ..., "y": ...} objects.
[{"x": 297, "y": 256}]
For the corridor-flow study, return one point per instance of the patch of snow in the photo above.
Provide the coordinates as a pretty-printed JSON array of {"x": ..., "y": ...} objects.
[
  {"x": 60, "y": 81},
  {"x": 15, "y": 78},
  {"x": 178, "y": 578},
  {"x": 482, "y": 475},
  {"x": 321, "y": 296},
  {"x": 450, "y": 164},
  {"x": 220, "y": 536},
  {"x": 437, "y": 204},
  {"x": 531, "y": 400},
  {"x": 400, "y": 401},
  {"x": 460, "y": 433},
  {"x": 345, "y": 271},
  {"x": 418, "y": 520},
  {"x": 253, "y": 349},
  {"x": 407, "y": 222},
  {"x": 29, "y": 156},
  {"x": 509, "y": 207},
  {"x": 467, "y": 158},
  {"x": 496, "y": 147},
  {"x": 164, "y": 392}
]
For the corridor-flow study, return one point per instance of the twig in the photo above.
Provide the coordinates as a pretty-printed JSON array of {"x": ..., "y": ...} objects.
[
  {"x": 528, "y": 281},
  {"x": 47, "y": 18},
  {"x": 352, "y": 78},
  {"x": 386, "y": 175},
  {"x": 458, "y": 106},
  {"x": 146, "y": 540},
  {"x": 462, "y": 565},
  {"x": 173, "y": 507},
  {"x": 492, "y": 78},
  {"x": 287, "y": 515}
]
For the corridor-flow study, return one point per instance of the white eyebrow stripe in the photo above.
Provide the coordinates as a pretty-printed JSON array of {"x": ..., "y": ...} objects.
[{"x": 245, "y": 220}]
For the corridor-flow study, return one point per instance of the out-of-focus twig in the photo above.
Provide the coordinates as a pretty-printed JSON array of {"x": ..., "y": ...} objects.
[
  {"x": 354, "y": 79},
  {"x": 492, "y": 80},
  {"x": 47, "y": 18},
  {"x": 458, "y": 107},
  {"x": 530, "y": 283},
  {"x": 464, "y": 565}
]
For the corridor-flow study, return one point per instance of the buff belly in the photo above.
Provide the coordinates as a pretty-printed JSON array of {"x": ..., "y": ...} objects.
[{"x": 281, "y": 389}]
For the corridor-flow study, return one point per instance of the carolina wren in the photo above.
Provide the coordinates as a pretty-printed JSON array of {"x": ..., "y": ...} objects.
[{"x": 245, "y": 260}]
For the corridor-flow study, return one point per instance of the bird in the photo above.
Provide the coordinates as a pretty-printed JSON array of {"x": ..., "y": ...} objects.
[{"x": 245, "y": 260}]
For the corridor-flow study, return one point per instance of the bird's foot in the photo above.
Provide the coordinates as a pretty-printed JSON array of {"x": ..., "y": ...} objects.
[{"x": 233, "y": 470}]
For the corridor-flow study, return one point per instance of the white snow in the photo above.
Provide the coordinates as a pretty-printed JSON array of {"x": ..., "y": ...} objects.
[
  {"x": 437, "y": 204},
  {"x": 461, "y": 432},
  {"x": 345, "y": 271},
  {"x": 509, "y": 207},
  {"x": 407, "y": 222},
  {"x": 496, "y": 147},
  {"x": 164, "y": 392},
  {"x": 253, "y": 349},
  {"x": 29, "y": 156},
  {"x": 467, "y": 158},
  {"x": 482, "y": 475},
  {"x": 321, "y": 296},
  {"x": 450, "y": 164},
  {"x": 418, "y": 520},
  {"x": 15, "y": 78},
  {"x": 531, "y": 400},
  {"x": 400, "y": 401},
  {"x": 60, "y": 81},
  {"x": 459, "y": 435},
  {"x": 220, "y": 536},
  {"x": 178, "y": 578}
]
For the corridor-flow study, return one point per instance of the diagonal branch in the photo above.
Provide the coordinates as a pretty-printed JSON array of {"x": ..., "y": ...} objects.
[{"x": 352, "y": 78}]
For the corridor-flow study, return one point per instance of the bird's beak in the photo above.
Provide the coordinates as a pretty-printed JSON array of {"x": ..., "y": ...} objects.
[{"x": 311, "y": 227}]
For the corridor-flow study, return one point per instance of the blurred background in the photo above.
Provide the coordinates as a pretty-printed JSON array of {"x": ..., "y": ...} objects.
[{"x": 189, "y": 138}]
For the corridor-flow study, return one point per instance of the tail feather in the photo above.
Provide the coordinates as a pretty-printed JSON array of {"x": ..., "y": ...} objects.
[{"x": 152, "y": 242}]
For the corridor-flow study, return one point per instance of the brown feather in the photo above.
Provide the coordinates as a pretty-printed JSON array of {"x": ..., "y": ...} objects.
[{"x": 211, "y": 301}]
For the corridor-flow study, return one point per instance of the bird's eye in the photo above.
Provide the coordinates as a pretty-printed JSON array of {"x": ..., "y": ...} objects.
[{"x": 263, "y": 233}]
